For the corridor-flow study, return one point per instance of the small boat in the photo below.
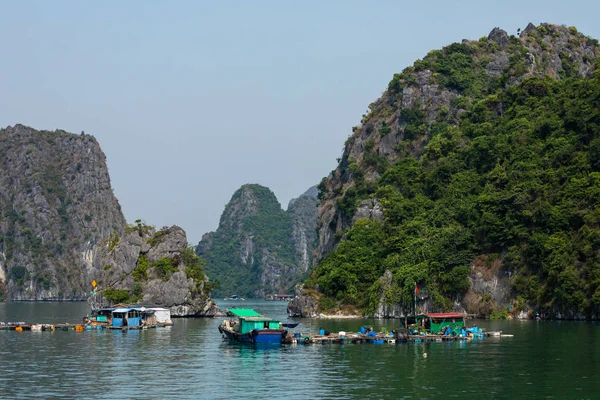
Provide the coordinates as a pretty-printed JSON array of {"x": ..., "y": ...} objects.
[
  {"x": 234, "y": 297},
  {"x": 251, "y": 327}
]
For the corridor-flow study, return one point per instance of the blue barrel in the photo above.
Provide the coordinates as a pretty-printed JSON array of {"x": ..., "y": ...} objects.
[{"x": 321, "y": 331}]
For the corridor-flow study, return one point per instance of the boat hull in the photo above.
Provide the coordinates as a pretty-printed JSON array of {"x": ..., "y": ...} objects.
[
  {"x": 255, "y": 336},
  {"x": 268, "y": 336}
]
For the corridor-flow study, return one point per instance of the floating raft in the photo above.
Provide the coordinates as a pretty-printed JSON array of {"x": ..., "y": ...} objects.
[
  {"x": 336, "y": 338},
  {"x": 19, "y": 327}
]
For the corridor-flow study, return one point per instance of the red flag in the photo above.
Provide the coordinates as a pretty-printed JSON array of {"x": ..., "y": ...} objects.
[{"x": 416, "y": 288}]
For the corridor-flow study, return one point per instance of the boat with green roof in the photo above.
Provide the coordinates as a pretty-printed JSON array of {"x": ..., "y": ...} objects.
[{"x": 251, "y": 327}]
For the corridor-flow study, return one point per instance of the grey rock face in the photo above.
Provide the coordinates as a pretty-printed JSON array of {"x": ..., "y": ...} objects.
[
  {"x": 530, "y": 28},
  {"x": 61, "y": 227},
  {"x": 302, "y": 306},
  {"x": 123, "y": 264},
  {"x": 370, "y": 209},
  {"x": 303, "y": 211},
  {"x": 499, "y": 36},
  {"x": 56, "y": 208}
]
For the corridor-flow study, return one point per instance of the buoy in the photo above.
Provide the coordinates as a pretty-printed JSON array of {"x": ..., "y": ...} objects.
[
  {"x": 19, "y": 329},
  {"x": 79, "y": 328}
]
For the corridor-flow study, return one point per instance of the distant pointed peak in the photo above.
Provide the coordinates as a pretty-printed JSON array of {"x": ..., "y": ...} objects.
[
  {"x": 530, "y": 28},
  {"x": 499, "y": 36}
]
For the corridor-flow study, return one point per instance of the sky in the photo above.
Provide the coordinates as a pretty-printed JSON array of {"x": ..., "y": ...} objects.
[{"x": 192, "y": 99}]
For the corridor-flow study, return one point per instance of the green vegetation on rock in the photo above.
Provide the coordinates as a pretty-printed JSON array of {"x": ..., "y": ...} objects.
[
  {"x": 256, "y": 249},
  {"x": 517, "y": 175}
]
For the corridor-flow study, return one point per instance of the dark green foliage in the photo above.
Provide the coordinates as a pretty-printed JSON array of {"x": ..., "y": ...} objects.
[
  {"x": 19, "y": 275},
  {"x": 136, "y": 292},
  {"x": 140, "y": 272},
  {"x": 140, "y": 227},
  {"x": 194, "y": 266},
  {"x": 165, "y": 267},
  {"x": 117, "y": 295},
  {"x": 524, "y": 183},
  {"x": 269, "y": 228},
  {"x": 347, "y": 278}
]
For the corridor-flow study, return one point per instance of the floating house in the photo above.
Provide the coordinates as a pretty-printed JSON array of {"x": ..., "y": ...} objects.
[
  {"x": 122, "y": 315},
  {"x": 130, "y": 317},
  {"x": 436, "y": 322}
]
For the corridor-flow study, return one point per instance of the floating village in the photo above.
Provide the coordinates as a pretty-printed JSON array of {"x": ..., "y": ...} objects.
[
  {"x": 121, "y": 317},
  {"x": 245, "y": 325}
]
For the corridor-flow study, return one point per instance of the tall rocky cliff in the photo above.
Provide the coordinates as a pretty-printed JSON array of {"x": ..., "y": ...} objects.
[
  {"x": 431, "y": 93},
  {"x": 437, "y": 184},
  {"x": 56, "y": 208},
  {"x": 259, "y": 248},
  {"x": 61, "y": 227}
]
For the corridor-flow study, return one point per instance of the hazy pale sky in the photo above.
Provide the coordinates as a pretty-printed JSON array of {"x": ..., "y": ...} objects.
[{"x": 191, "y": 99}]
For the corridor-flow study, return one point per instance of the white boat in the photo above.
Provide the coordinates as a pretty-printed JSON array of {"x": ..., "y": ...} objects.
[{"x": 234, "y": 297}]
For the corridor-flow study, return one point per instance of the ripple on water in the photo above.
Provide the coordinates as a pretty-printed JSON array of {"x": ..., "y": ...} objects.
[{"x": 189, "y": 360}]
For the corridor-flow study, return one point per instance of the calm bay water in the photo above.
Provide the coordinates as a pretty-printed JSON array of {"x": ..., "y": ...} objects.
[{"x": 544, "y": 359}]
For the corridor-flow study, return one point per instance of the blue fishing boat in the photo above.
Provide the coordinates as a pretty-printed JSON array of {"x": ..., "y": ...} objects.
[{"x": 251, "y": 327}]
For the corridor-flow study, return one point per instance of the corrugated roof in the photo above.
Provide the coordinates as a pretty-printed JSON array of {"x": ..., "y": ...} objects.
[
  {"x": 122, "y": 310},
  {"x": 244, "y": 312}
]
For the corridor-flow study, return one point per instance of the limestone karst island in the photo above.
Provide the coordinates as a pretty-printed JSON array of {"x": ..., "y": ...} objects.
[{"x": 461, "y": 223}]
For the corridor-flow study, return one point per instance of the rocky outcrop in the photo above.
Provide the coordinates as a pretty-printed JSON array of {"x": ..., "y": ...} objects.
[
  {"x": 153, "y": 267},
  {"x": 444, "y": 101},
  {"x": 302, "y": 305},
  {"x": 259, "y": 248},
  {"x": 421, "y": 97},
  {"x": 499, "y": 36},
  {"x": 61, "y": 227},
  {"x": 56, "y": 208}
]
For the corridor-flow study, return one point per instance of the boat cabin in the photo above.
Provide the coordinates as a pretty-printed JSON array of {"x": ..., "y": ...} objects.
[{"x": 248, "y": 320}]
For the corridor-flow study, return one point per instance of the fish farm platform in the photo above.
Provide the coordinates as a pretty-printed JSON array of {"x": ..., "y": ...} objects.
[
  {"x": 355, "y": 338},
  {"x": 70, "y": 327}
]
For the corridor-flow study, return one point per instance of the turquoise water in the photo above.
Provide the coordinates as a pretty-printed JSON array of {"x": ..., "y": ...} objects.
[{"x": 544, "y": 359}]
